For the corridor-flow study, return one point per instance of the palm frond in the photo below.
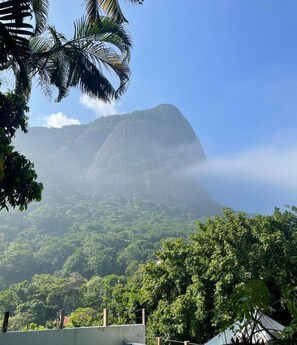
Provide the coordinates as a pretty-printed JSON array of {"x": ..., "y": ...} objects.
[
  {"x": 15, "y": 10},
  {"x": 40, "y": 9},
  {"x": 89, "y": 77},
  {"x": 80, "y": 61},
  {"x": 109, "y": 32},
  {"x": 58, "y": 38},
  {"x": 92, "y": 10},
  {"x": 113, "y": 10},
  {"x": 110, "y": 8},
  {"x": 39, "y": 44},
  {"x": 14, "y": 39}
]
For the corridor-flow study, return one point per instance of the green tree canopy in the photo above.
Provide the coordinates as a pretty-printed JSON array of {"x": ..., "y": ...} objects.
[
  {"x": 188, "y": 289},
  {"x": 18, "y": 184}
]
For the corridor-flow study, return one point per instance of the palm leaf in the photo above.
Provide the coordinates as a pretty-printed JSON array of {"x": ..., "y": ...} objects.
[
  {"x": 85, "y": 74},
  {"x": 80, "y": 61},
  {"x": 109, "y": 32},
  {"x": 92, "y": 10},
  {"x": 14, "y": 39},
  {"x": 111, "y": 9},
  {"x": 40, "y": 9}
]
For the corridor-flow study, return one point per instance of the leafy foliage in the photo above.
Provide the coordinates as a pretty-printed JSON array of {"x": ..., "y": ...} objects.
[
  {"x": 78, "y": 62},
  {"x": 192, "y": 289},
  {"x": 249, "y": 302},
  {"x": 85, "y": 317},
  {"x": 18, "y": 184},
  {"x": 81, "y": 61},
  {"x": 14, "y": 36},
  {"x": 289, "y": 299},
  {"x": 227, "y": 252},
  {"x": 92, "y": 237},
  {"x": 248, "y": 299},
  {"x": 74, "y": 255}
]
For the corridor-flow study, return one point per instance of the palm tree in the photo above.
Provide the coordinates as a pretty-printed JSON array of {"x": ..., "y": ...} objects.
[
  {"x": 82, "y": 60},
  {"x": 99, "y": 43}
]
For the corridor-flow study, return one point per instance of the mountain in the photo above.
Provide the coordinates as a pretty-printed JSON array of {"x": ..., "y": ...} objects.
[{"x": 143, "y": 153}]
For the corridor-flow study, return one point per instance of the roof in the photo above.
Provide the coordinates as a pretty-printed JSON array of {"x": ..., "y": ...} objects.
[{"x": 265, "y": 327}]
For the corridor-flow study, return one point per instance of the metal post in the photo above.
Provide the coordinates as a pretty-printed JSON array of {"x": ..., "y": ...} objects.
[
  {"x": 5, "y": 321},
  {"x": 159, "y": 341},
  {"x": 61, "y": 318},
  {"x": 143, "y": 316},
  {"x": 105, "y": 317}
]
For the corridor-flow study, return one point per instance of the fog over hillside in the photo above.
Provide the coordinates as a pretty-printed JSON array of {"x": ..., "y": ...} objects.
[{"x": 144, "y": 153}]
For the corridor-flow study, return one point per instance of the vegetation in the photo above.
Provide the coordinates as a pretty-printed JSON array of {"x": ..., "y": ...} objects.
[
  {"x": 189, "y": 288},
  {"x": 40, "y": 50},
  {"x": 75, "y": 254},
  {"x": 188, "y": 291},
  {"x": 108, "y": 235},
  {"x": 18, "y": 184},
  {"x": 84, "y": 255}
]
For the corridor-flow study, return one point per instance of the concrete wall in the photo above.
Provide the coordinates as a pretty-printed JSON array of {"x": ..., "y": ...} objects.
[{"x": 111, "y": 335}]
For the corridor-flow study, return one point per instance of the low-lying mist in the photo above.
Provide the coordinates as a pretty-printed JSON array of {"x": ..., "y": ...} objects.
[{"x": 256, "y": 180}]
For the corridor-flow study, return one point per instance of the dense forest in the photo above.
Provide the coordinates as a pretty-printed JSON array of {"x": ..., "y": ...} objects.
[
  {"x": 94, "y": 260},
  {"x": 77, "y": 244},
  {"x": 102, "y": 236}
]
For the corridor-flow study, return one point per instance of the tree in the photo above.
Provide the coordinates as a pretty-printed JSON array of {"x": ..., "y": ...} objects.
[
  {"x": 99, "y": 43},
  {"x": 249, "y": 302},
  {"x": 18, "y": 184},
  {"x": 188, "y": 290},
  {"x": 85, "y": 317}
]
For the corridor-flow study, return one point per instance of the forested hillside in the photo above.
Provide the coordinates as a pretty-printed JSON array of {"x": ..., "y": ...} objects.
[
  {"x": 101, "y": 236},
  {"x": 187, "y": 286},
  {"x": 50, "y": 252}
]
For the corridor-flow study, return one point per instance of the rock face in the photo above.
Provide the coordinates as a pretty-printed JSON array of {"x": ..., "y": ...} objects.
[{"x": 144, "y": 153}]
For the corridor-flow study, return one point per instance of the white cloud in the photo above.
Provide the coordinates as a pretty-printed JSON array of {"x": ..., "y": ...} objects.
[
  {"x": 268, "y": 165},
  {"x": 58, "y": 120},
  {"x": 254, "y": 181},
  {"x": 99, "y": 107}
]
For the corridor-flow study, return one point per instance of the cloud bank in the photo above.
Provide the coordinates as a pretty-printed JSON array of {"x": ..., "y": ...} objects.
[
  {"x": 266, "y": 165},
  {"x": 256, "y": 180},
  {"x": 58, "y": 120},
  {"x": 100, "y": 108}
]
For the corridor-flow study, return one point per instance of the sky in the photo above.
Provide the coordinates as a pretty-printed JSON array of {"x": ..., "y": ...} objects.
[{"x": 230, "y": 66}]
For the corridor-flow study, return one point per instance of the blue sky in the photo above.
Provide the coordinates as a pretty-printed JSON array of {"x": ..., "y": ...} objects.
[{"x": 230, "y": 66}]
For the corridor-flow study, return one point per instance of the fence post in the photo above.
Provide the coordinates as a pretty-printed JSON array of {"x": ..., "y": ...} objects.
[
  {"x": 5, "y": 321},
  {"x": 143, "y": 316},
  {"x": 159, "y": 341},
  {"x": 186, "y": 342},
  {"x": 105, "y": 317},
  {"x": 61, "y": 318}
]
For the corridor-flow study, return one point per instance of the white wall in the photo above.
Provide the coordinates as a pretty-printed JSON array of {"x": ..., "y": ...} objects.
[{"x": 111, "y": 335}]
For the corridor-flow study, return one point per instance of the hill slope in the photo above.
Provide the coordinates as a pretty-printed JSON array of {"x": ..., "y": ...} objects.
[{"x": 143, "y": 153}]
